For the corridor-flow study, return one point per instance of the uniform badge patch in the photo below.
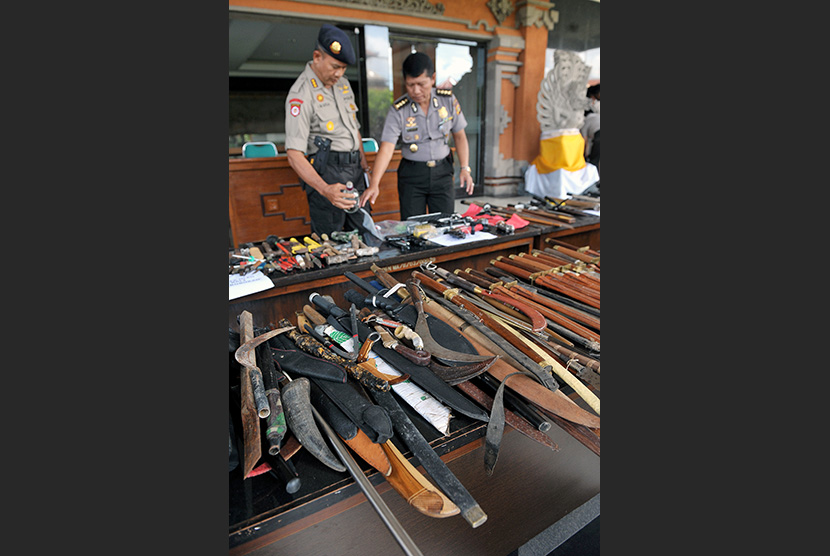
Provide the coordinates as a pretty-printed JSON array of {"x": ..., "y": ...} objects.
[
  {"x": 320, "y": 97},
  {"x": 329, "y": 125},
  {"x": 410, "y": 121},
  {"x": 294, "y": 108},
  {"x": 442, "y": 112}
]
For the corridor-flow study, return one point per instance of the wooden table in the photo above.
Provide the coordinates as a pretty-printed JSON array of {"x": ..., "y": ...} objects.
[
  {"x": 291, "y": 292},
  {"x": 533, "y": 491}
]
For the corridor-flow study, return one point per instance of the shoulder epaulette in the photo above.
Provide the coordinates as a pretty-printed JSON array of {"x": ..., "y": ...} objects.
[
  {"x": 401, "y": 102},
  {"x": 445, "y": 92}
]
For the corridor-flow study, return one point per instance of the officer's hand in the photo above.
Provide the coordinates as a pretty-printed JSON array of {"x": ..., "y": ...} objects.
[
  {"x": 467, "y": 181},
  {"x": 370, "y": 195},
  {"x": 336, "y": 195}
]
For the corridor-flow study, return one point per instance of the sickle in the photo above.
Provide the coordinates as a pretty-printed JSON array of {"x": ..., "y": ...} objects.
[
  {"x": 430, "y": 344},
  {"x": 245, "y": 353},
  {"x": 456, "y": 374}
]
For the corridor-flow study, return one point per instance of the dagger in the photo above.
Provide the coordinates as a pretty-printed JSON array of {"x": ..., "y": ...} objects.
[{"x": 425, "y": 379}]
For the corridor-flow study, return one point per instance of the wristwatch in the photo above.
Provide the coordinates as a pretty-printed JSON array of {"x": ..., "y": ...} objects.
[{"x": 467, "y": 168}]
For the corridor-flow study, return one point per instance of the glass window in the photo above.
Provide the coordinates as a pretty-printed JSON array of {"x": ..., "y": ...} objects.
[{"x": 267, "y": 53}]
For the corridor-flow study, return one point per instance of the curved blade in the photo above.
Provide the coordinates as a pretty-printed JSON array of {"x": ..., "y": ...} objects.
[
  {"x": 430, "y": 344},
  {"x": 456, "y": 374},
  {"x": 245, "y": 353}
]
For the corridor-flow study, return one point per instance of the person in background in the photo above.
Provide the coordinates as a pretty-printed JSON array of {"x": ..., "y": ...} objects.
[
  {"x": 322, "y": 134},
  {"x": 424, "y": 119},
  {"x": 590, "y": 128}
]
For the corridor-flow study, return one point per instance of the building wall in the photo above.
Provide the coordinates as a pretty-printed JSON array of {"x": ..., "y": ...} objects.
[{"x": 516, "y": 35}]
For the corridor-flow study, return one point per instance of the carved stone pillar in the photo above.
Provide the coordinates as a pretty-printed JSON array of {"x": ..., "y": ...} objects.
[
  {"x": 535, "y": 19},
  {"x": 501, "y": 178},
  {"x": 515, "y": 70}
]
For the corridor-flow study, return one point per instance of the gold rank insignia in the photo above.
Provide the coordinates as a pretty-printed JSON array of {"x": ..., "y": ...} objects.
[
  {"x": 329, "y": 125},
  {"x": 320, "y": 97},
  {"x": 445, "y": 92},
  {"x": 335, "y": 47},
  {"x": 313, "y": 82},
  {"x": 345, "y": 89},
  {"x": 413, "y": 147},
  {"x": 401, "y": 102}
]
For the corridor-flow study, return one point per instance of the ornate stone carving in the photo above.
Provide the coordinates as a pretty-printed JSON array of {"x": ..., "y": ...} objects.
[
  {"x": 503, "y": 119},
  {"x": 404, "y": 6},
  {"x": 538, "y": 13},
  {"x": 501, "y": 9},
  {"x": 561, "y": 100}
]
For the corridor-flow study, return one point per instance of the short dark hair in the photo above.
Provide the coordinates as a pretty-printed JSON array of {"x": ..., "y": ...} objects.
[{"x": 416, "y": 64}]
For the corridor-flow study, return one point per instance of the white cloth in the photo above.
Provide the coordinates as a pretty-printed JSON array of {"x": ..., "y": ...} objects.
[
  {"x": 589, "y": 128},
  {"x": 560, "y": 183}
]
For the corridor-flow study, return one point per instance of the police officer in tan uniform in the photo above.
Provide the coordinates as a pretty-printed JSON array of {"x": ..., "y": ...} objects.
[
  {"x": 424, "y": 119},
  {"x": 322, "y": 134}
]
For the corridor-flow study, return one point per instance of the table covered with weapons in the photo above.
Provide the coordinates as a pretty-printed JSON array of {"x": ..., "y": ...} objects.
[{"x": 462, "y": 405}]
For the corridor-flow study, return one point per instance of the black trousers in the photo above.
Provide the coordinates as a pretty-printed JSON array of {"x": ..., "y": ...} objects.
[
  {"x": 423, "y": 190},
  {"x": 327, "y": 218}
]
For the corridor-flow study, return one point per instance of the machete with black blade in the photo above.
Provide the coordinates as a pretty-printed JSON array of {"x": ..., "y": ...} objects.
[
  {"x": 437, "y": 469},
  {"x": 419, "y": 375}
]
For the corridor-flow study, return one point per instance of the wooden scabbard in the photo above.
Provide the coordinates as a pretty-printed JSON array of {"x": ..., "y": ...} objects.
[
  {"x": 517, "y": 422},
  {"x": 473, "y": 279},
  {"x": 551, "y": 284},
  {"x": 484, "y": 277},
  {"x": 576, "y": 254},
  {"x": 388, "y": 281},
  {"x": 518, "y": 341},
  {"x": 588, "y": 437},
  {"x": 499, "y": 262},
  {"x": 553, "y": 400},
  {"x": 570, "y": 312},
  {"x": 553, "y": 261},
  {"x": 554, "y": 316},
  {"x": 414, "y": 487},
  {"x": 252, "y": 441}
]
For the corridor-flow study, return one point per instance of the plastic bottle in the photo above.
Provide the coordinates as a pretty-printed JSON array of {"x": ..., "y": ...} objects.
[{"x": 352, "y": 192}]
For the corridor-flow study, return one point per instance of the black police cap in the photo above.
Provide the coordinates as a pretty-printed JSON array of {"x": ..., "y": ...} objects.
[{"x": 336, "y": 44}]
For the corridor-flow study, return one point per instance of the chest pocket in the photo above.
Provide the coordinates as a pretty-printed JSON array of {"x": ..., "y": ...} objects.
[{"x": 325, "y": 111}]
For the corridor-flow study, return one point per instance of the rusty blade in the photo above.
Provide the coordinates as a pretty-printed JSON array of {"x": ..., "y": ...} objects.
[
  {"x": 456, "y": 374},
  {"x": 430, "y": 344},
  {"x": 244, "y": 354}
]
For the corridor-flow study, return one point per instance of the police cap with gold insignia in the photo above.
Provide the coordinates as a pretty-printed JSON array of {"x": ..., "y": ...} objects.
[{"x": 336, "y": 43}]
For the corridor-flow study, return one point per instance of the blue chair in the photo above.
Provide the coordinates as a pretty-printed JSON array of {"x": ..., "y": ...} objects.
[
  {"x": 257, "y": 149},
  {"x": 370, "y": 145}
]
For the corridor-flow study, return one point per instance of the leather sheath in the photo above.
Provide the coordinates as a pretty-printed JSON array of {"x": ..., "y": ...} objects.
[{"x": 422, "y": 376}]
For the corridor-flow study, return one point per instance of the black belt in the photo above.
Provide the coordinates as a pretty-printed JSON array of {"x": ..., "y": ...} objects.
[
  {"x": 427, "y": 163},
  {"x": 343, "y": 158}
]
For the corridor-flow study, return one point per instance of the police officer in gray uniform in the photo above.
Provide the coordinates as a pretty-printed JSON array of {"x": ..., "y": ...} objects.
[
  {"x": 424, "y": 119},
  {"x": 322, "y": 134}
]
